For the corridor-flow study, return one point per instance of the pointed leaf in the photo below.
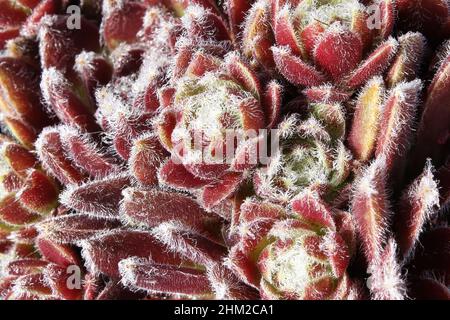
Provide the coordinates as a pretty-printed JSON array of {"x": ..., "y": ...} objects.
[
  {"x": 397, "y": 121},
  {"x": 407, "y": 63},
  {"x": 104, "y": 253},
  {"x": 243, "y": 75},
  {"x": 418, "y": 203},
  {"x": 295, "y": 70},
  {"x": 432, "y": 136},
  {"x": 310, "y": 209},
  {"x": 272, "y": 103},
  {"x": 60, "y": 254},
  {"x": 284, "y": 31},
  {"x": 122, "y": 23},
  {"x": 51, "y": 154},
  {"x": 364, "y": 131},
  {"x": 176, "y": 176},
  {"x": 85, "y": 153},
  {"x": 39, "y": 193},
  {"x": 326, "y": 94},
  {"x": 181, "y": 240},
  {"x": 370, "y": 209},
  {"x": 75, "y": 227},
  {"x": 147, "y": 155},
  {"x": 153, "y": 207},
  {"x": 386, "y": 282},
  {"x": 61, "y": 98},
  {"x": 97, "y": 198}
]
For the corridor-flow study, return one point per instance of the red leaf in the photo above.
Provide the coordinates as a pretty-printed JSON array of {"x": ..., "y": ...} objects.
[
  {"x": 184, "y": 241},
  {"x": 40, "y": 193},
  {"x": 60, "y": 254},
  {"x": 94, "y": 71},
  {"x": 176, "y": 176},
  {"x": 97, "y": 198},
  {"x": 12, "y": 212},
  {"x": 338, "y": 52},
  {"x": 370, "y": 209},
  {"x": 326, "y": 94},
  {"x": 252, "y": 210},
  {"x": 309, "y": 35},
  {"x": 388, "y": 16},
  {"x": 19, "y": 92},
  {"x": 75, "y": 227},
  {"x": 257, "y": 35},
  {"x": 433, "y": 134},
  {"x": 417, "y": 205},
  {"x": 312, "y": 210},
  {"x": 284, "y": 31},
  {"x": 338, "y": 253},
  {"x": 146, "y": 157},
  {"x": 104, "y": 253},
  {"x": 51, "y": 154},
  {"x": 18, "y": 158},
  {"x": 252, "y": 115},
  {"x": 202, "y": 23},
  {"x": 396, "y": 124},
  {"x": 22, "y": 131},
  {"x": 375, "y": 64},
  {"x": 61, "y": 97},
  {"x": 166, "y": 279},
  {"x": 46, "y": 7},
  {"x": 85, "y": 153},
  {"x": 58, "y": 279},
  {"x": 153, "y": 207},
  {"x": 236, "y": 12},
  {"x": 122, "y": 23},
  {"x": 407, "y": 63},
  {"x": 59, "y": 45},
  {"x": 386, "y": 282},
  {"x": 227, "y": 286},
  {"x": 272, "y": 103},
  {"x": 295, "y": 70},
  {"x": 202, "y": 63},
  {"x": 216, "y": 192},
  {"x": 243, "y": 75},
  {"x": 25, "y": 266}
]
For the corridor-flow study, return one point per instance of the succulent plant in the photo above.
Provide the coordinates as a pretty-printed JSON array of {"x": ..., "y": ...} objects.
[
  {"x": 299, "y": 253},
  {"x": 306, "y": 34},
  {"x": 210, "y": 107},
  {"x": 311, "y": 155},
  {"x": 268, "y": 149}
]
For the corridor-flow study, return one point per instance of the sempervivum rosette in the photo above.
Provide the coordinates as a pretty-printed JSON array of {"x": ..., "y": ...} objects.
[
  {"x": 304, "y": 38},
  {"x": 299, "y": 252},
  {"x": 311, "y": 155},
  {"x": 213, "y": 103}
]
